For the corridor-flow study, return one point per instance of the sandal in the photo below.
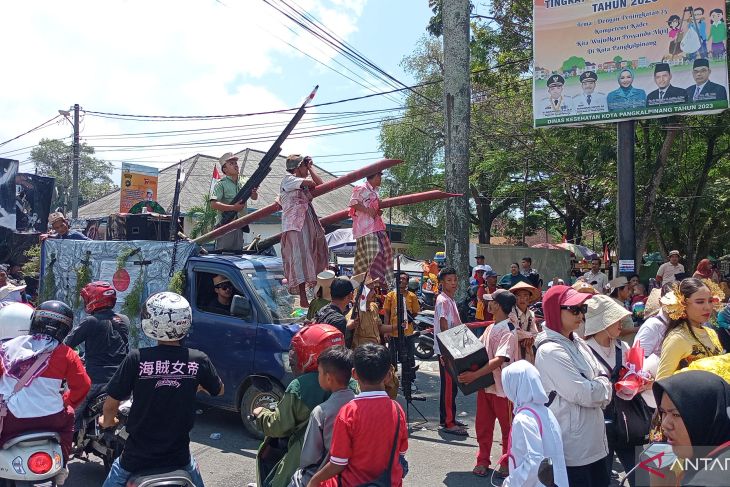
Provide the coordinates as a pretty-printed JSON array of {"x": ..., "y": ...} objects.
[
  {"x": 461, "y": 423},
  {"x": 480, "y": 471},
  {"x": 456, "y": 431}
]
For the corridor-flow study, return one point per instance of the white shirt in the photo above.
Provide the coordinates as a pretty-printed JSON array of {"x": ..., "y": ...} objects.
[
  {"x": 651, "y": 334},
  {"x": 667, "y": 272},
  {"x": 600, "y": 278}
]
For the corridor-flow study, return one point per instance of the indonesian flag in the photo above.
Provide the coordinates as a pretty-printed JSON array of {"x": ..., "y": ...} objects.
[
  {"x": 364, "y": 299},
  {"x": 216, "y": 177},
  {"x": 606, "y": 253}
]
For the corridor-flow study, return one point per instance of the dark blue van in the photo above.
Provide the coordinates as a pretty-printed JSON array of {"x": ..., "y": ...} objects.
[{"x": 249, "y": 346}]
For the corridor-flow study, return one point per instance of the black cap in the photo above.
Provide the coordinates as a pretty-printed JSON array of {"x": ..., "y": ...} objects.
[
  {"x": 588, "y": 76},
  {"x": 555, "y": 79},
  {"x": 340, "y": 288},
  {"x": 479, "y": 257},
  {"x": 661, "y": 67},
  {"x": 700, "y": 62}
]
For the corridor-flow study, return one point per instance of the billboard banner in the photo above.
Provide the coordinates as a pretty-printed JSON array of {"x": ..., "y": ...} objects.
[
  {"x": 33, "y": 195},
  {"x": 598, "y": 61},
  {"x": 139, "y": 183}
]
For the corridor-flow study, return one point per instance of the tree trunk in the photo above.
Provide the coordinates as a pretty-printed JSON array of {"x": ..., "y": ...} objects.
[
  {"x": 645, "y": 224},
  {"x": 484, "y": 215},
  {"x": 457, "y": 100}
]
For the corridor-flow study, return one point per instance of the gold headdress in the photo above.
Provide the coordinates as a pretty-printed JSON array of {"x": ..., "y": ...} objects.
[{"x": 675, "y": 304}]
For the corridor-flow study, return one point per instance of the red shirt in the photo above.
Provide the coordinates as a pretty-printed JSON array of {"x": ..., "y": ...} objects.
[{"x": 363, "y": 436}]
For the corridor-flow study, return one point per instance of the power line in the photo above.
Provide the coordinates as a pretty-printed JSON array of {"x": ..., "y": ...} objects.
[{"x": 44, "y": 124}]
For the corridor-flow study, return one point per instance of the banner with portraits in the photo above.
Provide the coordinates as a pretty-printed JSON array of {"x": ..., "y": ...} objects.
[
  {"x": 33, "y": 196},
  {"x": 8, "y": 170},
  {"x": 598, "y": 61}
]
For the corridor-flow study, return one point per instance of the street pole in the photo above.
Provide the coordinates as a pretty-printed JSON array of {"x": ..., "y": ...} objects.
[
  {"x": 76, "y": 151},
  {"x": 626, "y": 203},
  {"x": 524, "y": 204},
  {"x": 457, "y": 101}
]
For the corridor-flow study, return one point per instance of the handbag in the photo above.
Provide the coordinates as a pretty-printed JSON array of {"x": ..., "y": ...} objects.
[
  {"x": 384, "y": 479},
  {"x": 628, "y": 422}
]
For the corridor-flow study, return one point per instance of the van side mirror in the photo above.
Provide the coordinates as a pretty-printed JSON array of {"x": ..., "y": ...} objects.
[{"x": 241, "y": 307}]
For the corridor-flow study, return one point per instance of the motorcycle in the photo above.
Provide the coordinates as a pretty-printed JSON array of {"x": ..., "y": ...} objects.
[
  {"x": 423, "y": 344},
  {"x": 30, "y": 458},
  {"x": 104, "y": 444},
  {"x": 178, "y": 478}
]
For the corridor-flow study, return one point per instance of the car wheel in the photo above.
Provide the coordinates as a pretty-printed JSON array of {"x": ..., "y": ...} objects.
[{"x": 254, "y": 397}]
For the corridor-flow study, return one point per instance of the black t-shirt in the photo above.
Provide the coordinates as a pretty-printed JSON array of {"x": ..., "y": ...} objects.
[
  {"x": 106, "y": 338},
  {"x": 331, "y": 315},
  {"x": 215, "y": 306},
  {"x": 163, "y": 380}
]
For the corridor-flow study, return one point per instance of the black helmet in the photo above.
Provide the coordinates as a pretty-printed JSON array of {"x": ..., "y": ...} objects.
[{"x": 52, "y": 318}]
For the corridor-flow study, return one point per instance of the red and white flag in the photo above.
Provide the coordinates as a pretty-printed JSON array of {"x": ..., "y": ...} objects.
[
  {"x": 216, "y": 177},
  {"x": 364, "y": 299}
]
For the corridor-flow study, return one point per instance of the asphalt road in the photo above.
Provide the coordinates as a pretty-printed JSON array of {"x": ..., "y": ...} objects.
[{"x": 435, "y": 458}]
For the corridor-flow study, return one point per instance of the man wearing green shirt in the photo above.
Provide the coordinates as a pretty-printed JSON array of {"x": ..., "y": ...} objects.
[{"x": 223, "y": 193}]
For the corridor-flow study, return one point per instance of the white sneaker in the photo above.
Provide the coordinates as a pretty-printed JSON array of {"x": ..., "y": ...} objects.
[{"x": 61, "y": 476}]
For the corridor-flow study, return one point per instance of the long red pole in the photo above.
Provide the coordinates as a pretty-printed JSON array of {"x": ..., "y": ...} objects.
[
  {"x": 407, "y": 199},
  {"x": 323, "y": 188}
]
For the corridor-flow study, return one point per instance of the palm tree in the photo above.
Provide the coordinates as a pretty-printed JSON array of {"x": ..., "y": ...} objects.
[{"x": 203, "y": 217}]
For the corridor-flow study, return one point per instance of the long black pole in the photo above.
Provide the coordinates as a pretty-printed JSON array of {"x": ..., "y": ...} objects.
[{"x": 626, "y": 202}]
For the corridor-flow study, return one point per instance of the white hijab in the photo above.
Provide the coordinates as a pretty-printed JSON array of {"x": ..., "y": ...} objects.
[{"x": 522, "y": 385}]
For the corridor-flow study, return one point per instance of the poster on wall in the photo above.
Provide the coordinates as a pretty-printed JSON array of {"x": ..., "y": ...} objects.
[
  {"x": 598, "y": 61},
  {"x": 139, "y": 184},
  {"x": 33, "y": 195},
  {"x": 8, "y": 171}
]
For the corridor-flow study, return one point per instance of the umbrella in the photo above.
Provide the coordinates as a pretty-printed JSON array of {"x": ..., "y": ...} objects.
[
  {"x": 579, "y": 251},
  {"x": 546, "y": 245},
  {"x": 341, "y": 241}
]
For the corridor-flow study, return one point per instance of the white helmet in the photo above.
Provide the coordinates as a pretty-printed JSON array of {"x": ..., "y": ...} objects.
[
  {"x": 15, "y": 320},
  {"x": 166, "y": 317}
]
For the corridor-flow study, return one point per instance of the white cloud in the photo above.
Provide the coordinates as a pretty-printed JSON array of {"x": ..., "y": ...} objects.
[{"x": 150, "y": 57}]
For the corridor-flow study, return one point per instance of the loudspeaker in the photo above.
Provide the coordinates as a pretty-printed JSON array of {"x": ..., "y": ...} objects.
[
  {"x": 143, "y": 226},
  {"x": 463, "y": 351}
]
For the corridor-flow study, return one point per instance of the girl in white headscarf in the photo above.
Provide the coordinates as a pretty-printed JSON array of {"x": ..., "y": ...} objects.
[{"x": 535, "y": 430}]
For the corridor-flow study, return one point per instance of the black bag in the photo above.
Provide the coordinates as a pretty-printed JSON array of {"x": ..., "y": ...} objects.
[
  {"x": 627, "y": 422},
  {"x": 384, "y": 479},
  {"x": 462, "y": 351}
]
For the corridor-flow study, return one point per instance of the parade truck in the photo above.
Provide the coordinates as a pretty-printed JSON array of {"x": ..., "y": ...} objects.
[{"x": 249, "y": 345}]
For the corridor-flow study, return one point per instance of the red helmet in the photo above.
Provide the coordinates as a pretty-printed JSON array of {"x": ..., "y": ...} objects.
[
  {"x": 98, "y": 295},
  {"x": 309, "y": 342}
]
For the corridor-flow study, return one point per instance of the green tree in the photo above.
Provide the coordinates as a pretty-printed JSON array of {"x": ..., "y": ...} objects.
[
  {"x": 203, "y": 216},
  {"x": 53, "y": 158},
  {"x": 617, "y": 59},
  {"x": 573, "y": 62}
]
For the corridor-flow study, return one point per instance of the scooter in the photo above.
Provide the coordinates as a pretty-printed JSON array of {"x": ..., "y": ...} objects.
[
  {"x": 30, "y": 458},
  {"x": 423, "y": 344},
  {"x": 178, "y": 478},
  {"x": 91, "y": 439}
]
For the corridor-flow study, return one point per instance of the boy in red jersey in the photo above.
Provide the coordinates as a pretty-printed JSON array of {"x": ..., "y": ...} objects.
[{"x": 367, "y": 429}]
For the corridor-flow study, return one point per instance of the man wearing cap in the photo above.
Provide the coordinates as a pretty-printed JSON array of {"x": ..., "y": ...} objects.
[
  {"x": 223, "y": 289},
  {"x": 595, "y": 277},
  {"x": 322, "y": 296},
  {"x": 555, "y": 104},
  {"x": 303, "y": 245},
  {"x": 62, "y": 230},
  {"x": 373, "y": 252},
  {"x": 665, "y": 94},
  {"x": 668, "y": 270},
  {"x": 704, "y": 89},
  {"x": 221, "y": 200},
  {"x": 590, "y": 100}
]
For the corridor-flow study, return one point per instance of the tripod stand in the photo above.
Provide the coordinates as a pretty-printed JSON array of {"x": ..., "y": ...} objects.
[{"x": 405, "y": 356}]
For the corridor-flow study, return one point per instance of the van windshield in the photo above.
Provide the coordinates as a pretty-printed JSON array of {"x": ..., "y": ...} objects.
[{"x": 275, "y": 295}]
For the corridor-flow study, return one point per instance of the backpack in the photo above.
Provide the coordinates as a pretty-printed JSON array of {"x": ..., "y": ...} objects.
[
  {"x": 509, "y": 455},
  {"x": 627, "y": 421}
]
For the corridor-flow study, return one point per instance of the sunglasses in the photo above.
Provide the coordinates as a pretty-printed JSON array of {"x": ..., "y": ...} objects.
[
  {"x": 576, "y": 310},
  {"x": 224, "y": 286}
]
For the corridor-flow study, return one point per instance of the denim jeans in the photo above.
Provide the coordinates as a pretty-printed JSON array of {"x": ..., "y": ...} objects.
[{"x": 118, "y": 477}]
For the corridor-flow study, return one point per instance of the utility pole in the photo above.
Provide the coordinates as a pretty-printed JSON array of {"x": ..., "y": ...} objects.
[
  {"x": 457, "y": 101},
  {"x": 76, "y": 152},
  {"x": 524, "y": 203},
  {"x": 626, "y": 202}
]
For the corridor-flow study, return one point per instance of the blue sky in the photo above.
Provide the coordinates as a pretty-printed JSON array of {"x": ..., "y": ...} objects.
[{"x": 200, "y": 57}]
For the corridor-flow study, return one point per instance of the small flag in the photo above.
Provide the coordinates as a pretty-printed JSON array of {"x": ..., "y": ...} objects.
[
  {"x": 364, "y": 298},
  {"x": 216, "y": 177},
  {"x": 606, "y": 253}
]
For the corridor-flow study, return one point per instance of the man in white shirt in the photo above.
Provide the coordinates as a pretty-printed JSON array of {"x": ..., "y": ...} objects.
[
  {"x": 595, "y": 277},
  {"x": 668, "y": 270}
]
